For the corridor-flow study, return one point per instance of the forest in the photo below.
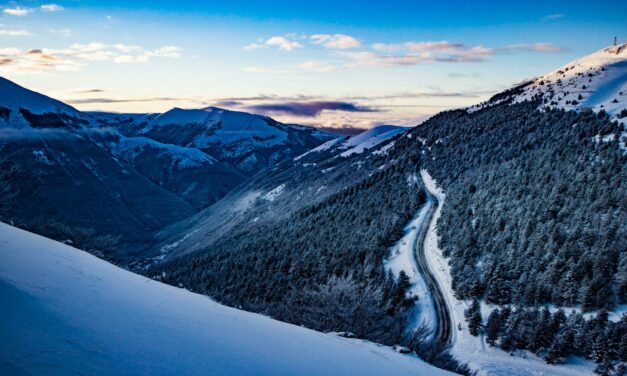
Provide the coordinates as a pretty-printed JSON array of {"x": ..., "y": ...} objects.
[{"x": 536, "y": 213}]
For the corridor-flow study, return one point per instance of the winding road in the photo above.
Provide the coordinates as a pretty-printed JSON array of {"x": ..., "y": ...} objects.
[{"x": 443, "y": 332}]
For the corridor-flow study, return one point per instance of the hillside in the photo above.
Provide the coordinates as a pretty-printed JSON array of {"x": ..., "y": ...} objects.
[
  {"x": 119, "y": 178},
  {"x": 275, "y": 194},
  {"x": 597, "y": 81},
  {"x": 100, "y": 320},
  {"x": 535, "y": 216},
  {"x": 246, "y": 141}
]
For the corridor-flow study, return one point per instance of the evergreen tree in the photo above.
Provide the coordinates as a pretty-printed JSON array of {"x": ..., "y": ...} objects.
[
  {"x": 493, "y": 327},
  {"x": 473, "y": 317},
  {"x": 542, "y": 334}
]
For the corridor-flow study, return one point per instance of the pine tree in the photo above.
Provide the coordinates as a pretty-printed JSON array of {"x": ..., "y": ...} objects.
[
  {"x": 554, "y": 354},
  {"x": 473, "y": 316},
  {"x": 605, "y": 367},
  {"x": 493, "y": 327},
  {"x": 600, "y": 348},
  {"x": 542, "y": 334}
]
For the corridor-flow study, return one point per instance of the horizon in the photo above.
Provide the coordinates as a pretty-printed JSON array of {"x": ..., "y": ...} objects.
[{"x": 323, "y": 64}]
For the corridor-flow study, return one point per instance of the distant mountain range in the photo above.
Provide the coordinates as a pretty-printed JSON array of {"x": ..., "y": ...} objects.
[{"x": 129, "y": 175}]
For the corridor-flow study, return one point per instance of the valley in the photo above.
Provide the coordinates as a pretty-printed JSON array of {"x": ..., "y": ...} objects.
[{"x": 486, "y": 240}]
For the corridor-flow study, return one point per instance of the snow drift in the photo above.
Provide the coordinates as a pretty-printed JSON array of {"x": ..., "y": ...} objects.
[{"x": 64, "y": 311}]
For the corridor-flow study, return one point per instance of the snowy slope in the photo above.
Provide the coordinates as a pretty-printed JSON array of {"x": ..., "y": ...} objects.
[
  {"x": 131, "y": 147},
  {"x": 369, "y": 139},
  {"x": 247, "y": 141},
  {"x": 64, "y": 311},
  {"x": 223, "y": 126},
  {"x": 597, "y": 81},
  {"x": 357, "y": 144},
  {"x": 14, "y": 97}
]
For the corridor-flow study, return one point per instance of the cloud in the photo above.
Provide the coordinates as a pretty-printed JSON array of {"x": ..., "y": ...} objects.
[
  {"x": 122, "y": 100},
  {"x": 464, "y": 75},
  {"x": 553, "y": 17},
  {"x": 168, "y": 51},
  {"x": 309, "y": 109},
  {"x": 17, "y": 11},
  {"x": 142, "y": 56},
  {"x": 257, "y": 69},
  {"x": 51, "y": 8},
  {"x": 413, "y": 53},
  {"x": 88, "y": 91},
  {"x": 63, "y": 32},
  {"x": 228, "y": 103},
  {"x": 283, "y": 43},
  {"x": 77, "y": 55},
  {"x": 536, "y": 47},
  {"x": 317, "y": 66},
  {"x": 255, "y": 46},
  {"x": 14, "y": 33},
  {"x": 337, "y": 41},
  {"x": 435, "y": 93}
]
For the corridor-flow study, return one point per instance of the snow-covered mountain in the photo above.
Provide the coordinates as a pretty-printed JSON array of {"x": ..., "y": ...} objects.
[
  {"x": 63, "y": 311},
  {"x": 175, "y": 168},
  {"x": 14, "y": 96},
  {"x": 597, "y": 81},
  {"x": 358, "y": 143},
  {"x": 129, "y": 175},
  {"x": 267, "y": 197},
  {"x": 249, "y": 142},
  {"x": 23, "y": 108}
]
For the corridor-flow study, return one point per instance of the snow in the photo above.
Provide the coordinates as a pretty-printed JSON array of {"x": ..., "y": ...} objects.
[
  {"x": 131, "y": 147},
  {"x": 181, "y": 116},
  {"x": 361, "y": 142},
  {"x": 370, "y": 133},
  {"x": 65, "y": 312},
  {"x": 320, "y": 148},
  {"x": 14, "y": 96},
  {"x": 473, "y": 350},
  {"x": 403, "y": 257},
  {"x": 369, "y": 139},
  {"x": 603, "y": 73},
  {"x": 274, "y": 193},
  {"x": 246, "y": 201},
  {"x": 384, "y": 150},
  {"x": 223, "y": 127}
]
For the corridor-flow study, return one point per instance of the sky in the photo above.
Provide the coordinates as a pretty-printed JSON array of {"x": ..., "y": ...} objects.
[{"x": 323, "y": 63}]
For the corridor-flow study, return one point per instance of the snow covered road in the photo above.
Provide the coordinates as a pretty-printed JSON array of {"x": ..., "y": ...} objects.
[
  {"x": 486, "y": 360},
  {"x": 443, "y": 318}
]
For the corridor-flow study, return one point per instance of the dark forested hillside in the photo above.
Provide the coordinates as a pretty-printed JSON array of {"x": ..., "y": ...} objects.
[
  {"x": 536, "y": 208},
  {"x": 321, "y": 267},
  {"x": 536, "y": 212}
]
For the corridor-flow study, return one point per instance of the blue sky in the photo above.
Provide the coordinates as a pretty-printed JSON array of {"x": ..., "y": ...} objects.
[{"x": 357, "y": 63}]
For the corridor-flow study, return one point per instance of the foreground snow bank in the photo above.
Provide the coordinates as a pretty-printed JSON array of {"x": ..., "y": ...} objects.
[
  {"x": 473, "y": 350},
  {"x": 63, "y": 311}
]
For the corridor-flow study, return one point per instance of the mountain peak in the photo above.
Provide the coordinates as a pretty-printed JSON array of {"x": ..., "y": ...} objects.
[
  {"x": 617, "y": 49},
  {"x": 597, "y": 81},
  {"x": 14, "y": 96}
]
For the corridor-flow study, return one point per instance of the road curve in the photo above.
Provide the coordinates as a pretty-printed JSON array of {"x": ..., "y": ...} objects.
[{"x": 444, "y": 325}]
